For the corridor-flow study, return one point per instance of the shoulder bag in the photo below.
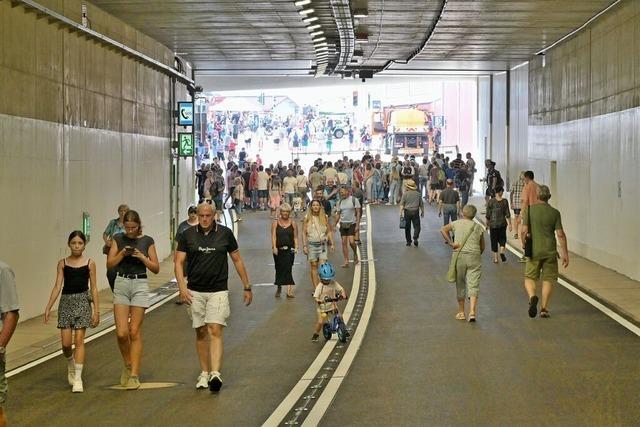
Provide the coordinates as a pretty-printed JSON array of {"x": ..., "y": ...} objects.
[
  {"x": 528, "y": 241},
  {"x": 452, "y": 274}
]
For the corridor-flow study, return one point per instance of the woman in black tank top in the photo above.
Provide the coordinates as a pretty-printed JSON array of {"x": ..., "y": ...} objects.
[
  {"x": 284, "y": 243},
  {"x": 78, "y": 308}
]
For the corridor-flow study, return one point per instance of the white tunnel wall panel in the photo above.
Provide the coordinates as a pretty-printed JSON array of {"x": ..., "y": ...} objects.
[{"x": 584, "y": 115}]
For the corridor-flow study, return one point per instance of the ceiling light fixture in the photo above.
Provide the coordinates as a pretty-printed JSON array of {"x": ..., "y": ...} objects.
[
  {"x": 360, "y": 13},
  {"x": 321, "y": 48},
  {"x": 316, "y": 33},
  {"x": 313, "y": 27},
  {"x": 319, "y": 39},
  {"x": 310, "y": 19},
  {"x": 306, "y": 11},
  {"x": 302, "y": 2}
]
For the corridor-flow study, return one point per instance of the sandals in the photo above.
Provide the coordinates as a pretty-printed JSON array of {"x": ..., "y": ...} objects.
[
  {"x": 460, "y": 316},
  {"x": 544, "y": 313},
  {"x": 278, "y": 292}
]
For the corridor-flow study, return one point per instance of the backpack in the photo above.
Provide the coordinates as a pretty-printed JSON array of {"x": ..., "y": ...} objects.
[
  {"x": 499, "y": 180},
  {"x": 498, "y": 214},
  {"x": 441, "y": 175}
]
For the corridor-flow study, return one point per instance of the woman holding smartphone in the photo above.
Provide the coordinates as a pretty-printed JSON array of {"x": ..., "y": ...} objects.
[
  {"x": 76, "y": 279},
  {"x": 131, "y": 254}
]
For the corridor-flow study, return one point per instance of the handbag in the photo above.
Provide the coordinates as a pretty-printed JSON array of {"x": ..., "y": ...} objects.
[
  {"x": 452, "y": 273},
  {"x": 528, "y": 241},
  {"x": 403, "y": 222}
]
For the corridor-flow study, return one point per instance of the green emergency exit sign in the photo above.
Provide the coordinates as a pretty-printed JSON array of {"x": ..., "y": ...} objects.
[{"x": 185, "y": 145}]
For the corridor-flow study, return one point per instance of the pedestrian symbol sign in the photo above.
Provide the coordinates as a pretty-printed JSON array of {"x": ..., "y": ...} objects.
[{"x": 185, "y": 145}]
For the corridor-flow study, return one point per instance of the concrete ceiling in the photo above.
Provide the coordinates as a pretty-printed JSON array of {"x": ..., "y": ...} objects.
[{"x": 269, "y": 38}]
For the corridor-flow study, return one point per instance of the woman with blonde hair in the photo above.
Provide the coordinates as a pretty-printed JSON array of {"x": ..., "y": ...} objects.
[
  {"x": 284, "y": 244},
  {"x": 317, "y": 238}
]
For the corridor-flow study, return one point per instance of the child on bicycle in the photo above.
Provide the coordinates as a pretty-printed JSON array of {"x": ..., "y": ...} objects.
[{"x": 326, "y": 288}]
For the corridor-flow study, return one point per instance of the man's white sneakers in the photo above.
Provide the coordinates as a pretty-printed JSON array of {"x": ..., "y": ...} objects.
[
  {"x": 203, "y": 380},
  {"x": 77, "y": 386}
]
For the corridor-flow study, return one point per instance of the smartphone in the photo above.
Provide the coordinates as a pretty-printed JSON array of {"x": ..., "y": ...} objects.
[{"x": 128, "y": 250}]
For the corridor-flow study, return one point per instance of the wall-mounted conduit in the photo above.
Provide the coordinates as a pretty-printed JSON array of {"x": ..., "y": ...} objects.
[{"x": 30, "y": 5}]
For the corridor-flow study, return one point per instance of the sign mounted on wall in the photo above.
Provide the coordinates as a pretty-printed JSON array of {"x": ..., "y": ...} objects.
[
  {"x": 185, "y": 113},
  {"x": 185, "y": 144},
  {"x": 86, "y": 225}
]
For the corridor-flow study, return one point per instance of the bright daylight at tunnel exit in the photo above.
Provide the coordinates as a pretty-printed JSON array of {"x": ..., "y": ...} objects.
[{"x": 319, "y": 213}]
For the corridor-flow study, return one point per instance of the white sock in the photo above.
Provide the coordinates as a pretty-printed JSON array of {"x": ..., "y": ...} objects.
[
  {"x": 79, "y": 371},
  {"x": 70, "y": 362},
  {"x": 204, "y": 373},
  {"x": 214, "y": 373}
]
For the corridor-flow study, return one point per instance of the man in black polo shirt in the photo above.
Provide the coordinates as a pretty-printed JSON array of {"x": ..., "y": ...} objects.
[{"x": 205, "y": 247}]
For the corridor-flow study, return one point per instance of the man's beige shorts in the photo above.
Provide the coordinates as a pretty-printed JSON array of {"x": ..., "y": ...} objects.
[
  {"x": 209, "y": 308},
  {"x": 545, "y": 269}
]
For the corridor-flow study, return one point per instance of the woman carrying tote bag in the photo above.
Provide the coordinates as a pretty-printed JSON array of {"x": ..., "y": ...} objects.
[{"x": 466, "y": 259}]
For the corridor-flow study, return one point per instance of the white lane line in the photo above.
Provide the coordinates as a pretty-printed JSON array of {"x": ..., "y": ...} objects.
[
  {"x": 329, "y": 393},
  {"x": 296, "y": 392},
  {"x": 88, "y": 339},
  {"x": 586, "y": 297}
]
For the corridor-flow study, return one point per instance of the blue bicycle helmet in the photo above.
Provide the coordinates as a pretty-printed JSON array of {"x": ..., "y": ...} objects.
[{"x": 326, "y": 271}]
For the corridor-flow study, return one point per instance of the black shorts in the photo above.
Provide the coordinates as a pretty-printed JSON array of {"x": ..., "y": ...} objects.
[
  {"x": 263, "y": 194},
  {"x": 348, "y": 231},
  {"x": 517, "y": 211}
]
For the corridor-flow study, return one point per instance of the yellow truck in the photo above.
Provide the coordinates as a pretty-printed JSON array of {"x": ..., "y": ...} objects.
[{"x": 408, "y": 132}]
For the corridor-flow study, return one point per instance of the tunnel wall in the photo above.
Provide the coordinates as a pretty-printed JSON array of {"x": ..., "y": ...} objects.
[
  {"x": 584, "y": 115},
  {"x": 82, "y": 129}
]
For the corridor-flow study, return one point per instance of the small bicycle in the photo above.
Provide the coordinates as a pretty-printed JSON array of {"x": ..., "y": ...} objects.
[{"x": 335, "y": 324}]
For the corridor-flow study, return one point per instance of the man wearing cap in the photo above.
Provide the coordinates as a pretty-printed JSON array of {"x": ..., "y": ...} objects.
[
  {"x": 8, "y": 321},
  {"x": 348, "y": 211},
  {"x": 205, "y": 247},
  {"x": 410, "y": 204},
  {"x": 449, "y": 203}
]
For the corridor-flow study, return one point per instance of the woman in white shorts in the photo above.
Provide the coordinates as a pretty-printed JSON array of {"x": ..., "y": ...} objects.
[
  {"x": 132, "y": 254},
  {"x": 317, "y": 238}
]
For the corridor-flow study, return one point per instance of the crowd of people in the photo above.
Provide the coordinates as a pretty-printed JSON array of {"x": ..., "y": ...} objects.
[
  {"x": 231, "y": 133},
  {"x": 327, "y": 198}
]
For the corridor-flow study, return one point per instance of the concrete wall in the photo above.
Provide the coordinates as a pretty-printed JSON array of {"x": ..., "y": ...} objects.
[
  {"x": 584, "y": 121},
  {"x": 82, "y": 129}
]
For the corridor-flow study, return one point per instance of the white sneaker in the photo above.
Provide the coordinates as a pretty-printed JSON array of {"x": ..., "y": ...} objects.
[
  {"x": 71, "y": 375},
  {"x": 203, "y": 381},
  {"x": 77, "y": 387}
]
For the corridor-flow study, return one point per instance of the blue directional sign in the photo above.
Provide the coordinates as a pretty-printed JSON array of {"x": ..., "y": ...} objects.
[{"x": 185, "y": 113}]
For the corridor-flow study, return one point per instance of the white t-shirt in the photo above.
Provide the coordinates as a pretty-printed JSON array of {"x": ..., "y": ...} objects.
[
  {"x": 290, "y": 184},
  {"x": 263, "y": 180},
  {"x": 302, "y": 181},
  {"x": 330, "y": 174},
  {"x": 331, "y": 290}
]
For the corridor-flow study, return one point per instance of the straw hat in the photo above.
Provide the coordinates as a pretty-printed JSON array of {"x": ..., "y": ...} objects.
[{"x": 410, "y": 184}]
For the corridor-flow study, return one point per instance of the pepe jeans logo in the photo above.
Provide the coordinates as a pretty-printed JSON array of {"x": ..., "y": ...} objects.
[{"x": 206, "y": 250}]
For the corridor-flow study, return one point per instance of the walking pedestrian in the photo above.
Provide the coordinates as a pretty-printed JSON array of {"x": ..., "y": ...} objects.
[
  {"x": 317, "y": 238},
  {"x": 530, "y": 191},
  {"x": 114, "y": 227},
  {"x": 263, "y": 185},
  {"x": 132, "y": 254},
  {"x": 78, "y": 308},
  {"x": 205, "y": 247},
  {"x": 471, "y": 169},
  {"x": 284, "y": 245},
  {"x": 515, "y": 197},
  {"x": 289, "y": 186},
  {"x": 541, "y": 223},
  {"x": 9, "y": 314},
  {"x": 469, "y": 244},
  {"x": 349, "y": 212},
  {"x": 461, "y": 181},
  {"x": 449, "y": 203},
  {"x": 275, "y": 192},
  {"x": 394, "y": 184},
  {"x": 498, "y": 218},
  {"x": 411, "y": 208},
  {"x": 238, "y": 198}
]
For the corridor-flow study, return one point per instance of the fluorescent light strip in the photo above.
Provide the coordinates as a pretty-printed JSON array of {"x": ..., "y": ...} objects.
[
  {"x": 313, "y": 27},
  {"x": 316, "y": 33},
  {"x": 302, "y": 2},
  {"x": 310, "y": 19},
  {"x": 319, "y": 39},
  {"x": 306, "y": 11}
]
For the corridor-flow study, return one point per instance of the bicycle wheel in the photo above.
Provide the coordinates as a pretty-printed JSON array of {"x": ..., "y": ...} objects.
[{"x": 326, "y": 331}]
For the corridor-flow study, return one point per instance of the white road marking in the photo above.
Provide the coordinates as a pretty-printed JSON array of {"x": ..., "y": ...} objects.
[
  {"x": 296, "y": 392},
  {"x": 327, "y": 396}
]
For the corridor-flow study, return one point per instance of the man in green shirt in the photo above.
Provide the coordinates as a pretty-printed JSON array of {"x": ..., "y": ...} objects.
[{"x": 545, "y": 223}]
